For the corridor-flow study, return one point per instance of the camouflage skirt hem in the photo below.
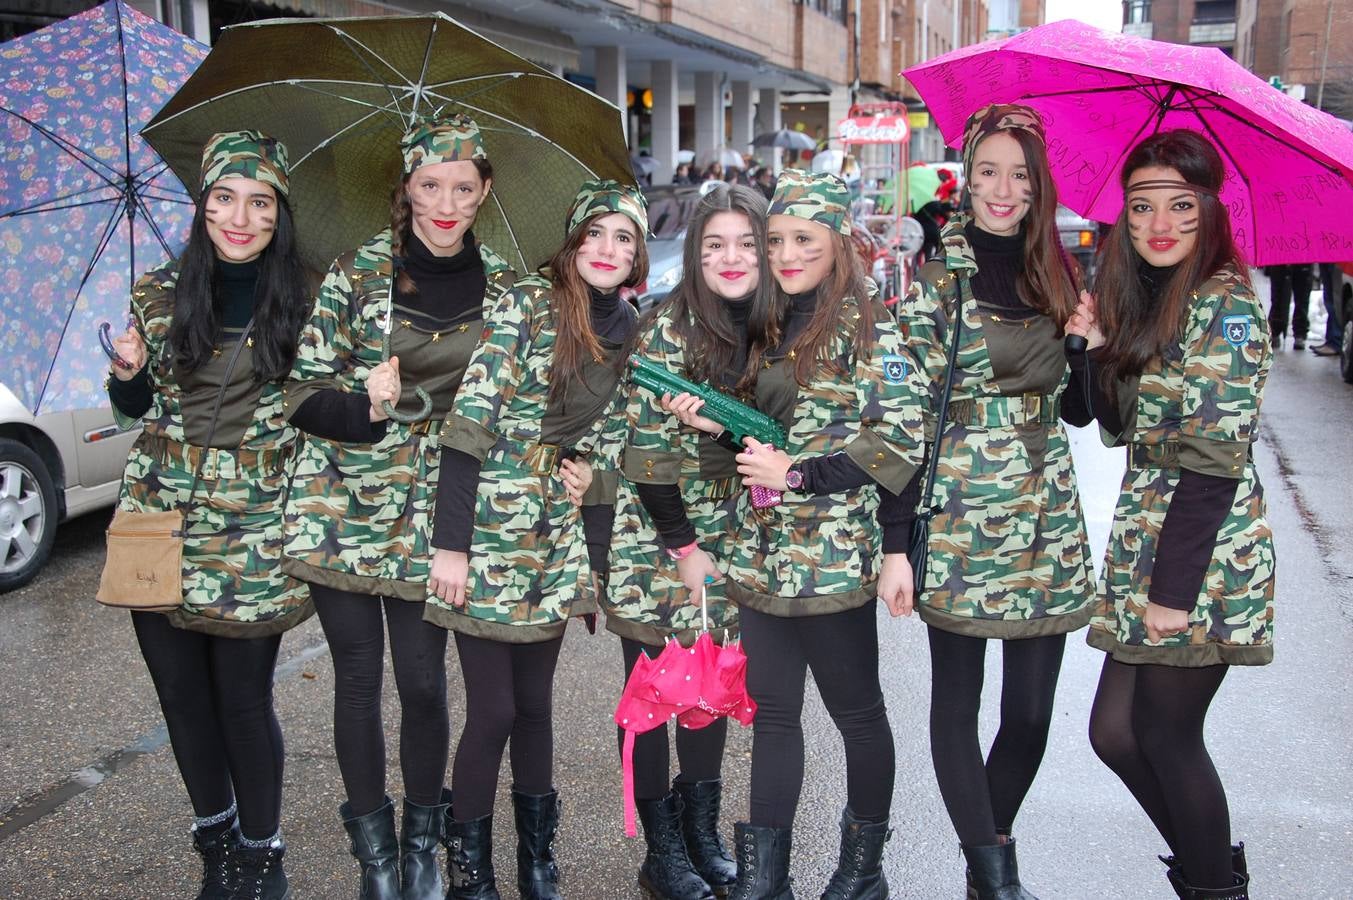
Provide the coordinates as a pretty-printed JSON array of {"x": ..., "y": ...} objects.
[
  {"x": 414, "y": 591},
  {"x": 1192, "y": 656},
  {"x": 1006, "y": 629},
  {"x": 652, "y": 636},
  {"x": 493, "y": 631},
  {"x": 231, "y": 628},
  {"x": 795, "y": 607}
]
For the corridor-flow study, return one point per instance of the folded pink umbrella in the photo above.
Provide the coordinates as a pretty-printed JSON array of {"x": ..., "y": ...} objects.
[{"x": 1289, "y": 181}]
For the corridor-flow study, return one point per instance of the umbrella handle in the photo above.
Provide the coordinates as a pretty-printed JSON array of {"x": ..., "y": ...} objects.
[
  {"x": 389, "y": 408},
  {"x": 704, "y": 608}
]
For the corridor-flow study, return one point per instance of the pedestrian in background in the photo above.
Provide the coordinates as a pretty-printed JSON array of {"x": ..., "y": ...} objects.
[
  {"x": 1333, "y": 344},
  {"x": 213, "y": 339},
  {"x": 360, "y": 514},
  {"x": 1289, "y": 295},
  {"x": 1187, "y": 586}
]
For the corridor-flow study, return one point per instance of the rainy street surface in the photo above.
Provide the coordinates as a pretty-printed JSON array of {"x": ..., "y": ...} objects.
[{"x": 91, "y": 805}]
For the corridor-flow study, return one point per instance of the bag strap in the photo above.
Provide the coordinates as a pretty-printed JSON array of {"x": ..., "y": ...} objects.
[
  {"x": 215, "y": 417},
  {"x": 956, "y": 326}
]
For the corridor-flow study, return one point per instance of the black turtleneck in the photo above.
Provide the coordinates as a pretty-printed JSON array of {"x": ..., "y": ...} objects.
[{"x": 1000, "y": 263}]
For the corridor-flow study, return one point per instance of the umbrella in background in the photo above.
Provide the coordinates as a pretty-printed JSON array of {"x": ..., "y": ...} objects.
[
  {"x": 85, "y": 204},
  {"x": 643, "y": 165},
  {"x": 828, "y": 161},
  {"x": 785, "y": 139},
  {"x": 726, "y": 157},
  {"x": 340, "y": 93},
  {"x": 685, "y": 156},
  {"x": 1289, "y": 179}
]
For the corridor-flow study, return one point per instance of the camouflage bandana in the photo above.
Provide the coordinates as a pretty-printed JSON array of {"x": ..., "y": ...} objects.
[
  {"x": 443, "y": 139},
  {"x": 998, "y": 117},
  {"x": 817, "y": 197},
  {"x": 601, "y": 196},
  {"x": 245, "y": 154}
]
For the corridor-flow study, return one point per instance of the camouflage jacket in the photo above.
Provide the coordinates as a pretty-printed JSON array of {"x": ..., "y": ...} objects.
[
  {"x": 232, "y": 584},
  {"x": 645, "y": 599},
  {"x": 529, "y": 571},
  {"x": 359, "y": 517},
  {"x": 1196, "y": 408},
  {"x": 1008, "y": 555},
  {"x": 821, "y": 554}
]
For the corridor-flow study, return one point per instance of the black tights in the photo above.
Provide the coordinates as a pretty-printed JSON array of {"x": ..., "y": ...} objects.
[
  {"x": 353, "y": 628},
  {"x": 699, "y": 750},
  {"x": 983, "y": 797},
  {"x": 1147, "y": 725},
  {"x": 216, "y": 695},
  {"x": 508, "y": 694},
  {"x": 842, "y": 651}
]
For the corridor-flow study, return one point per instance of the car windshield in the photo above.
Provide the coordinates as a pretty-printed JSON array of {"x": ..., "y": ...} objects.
[{"x": 669, "y": 209}]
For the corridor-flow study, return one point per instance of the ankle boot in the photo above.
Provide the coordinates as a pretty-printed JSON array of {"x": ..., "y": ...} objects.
[
  {"x": 421, "y": 830},
  {"x": 667, "y": 872},
  {"x": 763, "y": 863},
  {"x": 469, "y": 859},
  {"x": 537, "y": 818},
  {"x": 1175, "y": 873},
  {"x": 859, "y": 868},
  {"x": 216, "y": 844},
  {"x": 995, "y": 874},
  {"x": 700, "y": 828},
  {"x": 1240, "y": 890},
  {"x": 375, "y": 847},
  {"x": 259, "y": 874}
]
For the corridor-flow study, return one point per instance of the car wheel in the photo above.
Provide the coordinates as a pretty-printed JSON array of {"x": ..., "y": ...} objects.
[
  {"x": 28, "y": 514},
  {"x": 1346, "y": 354}
]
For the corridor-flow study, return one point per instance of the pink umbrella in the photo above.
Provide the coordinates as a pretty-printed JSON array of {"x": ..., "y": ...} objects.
[{"x": 1289, "y": 183}]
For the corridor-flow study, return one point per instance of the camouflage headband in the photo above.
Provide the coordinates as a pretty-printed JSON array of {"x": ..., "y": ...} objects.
[
  {"x": 817, "y": 197},
  {"x": 601, "y": 196},
  {"x": 245, "y": 154},
  {"x": 998, "y": 117},
  {"x": 445, "y": 139}
]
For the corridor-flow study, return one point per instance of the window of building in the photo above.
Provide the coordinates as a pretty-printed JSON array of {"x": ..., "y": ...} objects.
[{"x": 1136, "y": 12}]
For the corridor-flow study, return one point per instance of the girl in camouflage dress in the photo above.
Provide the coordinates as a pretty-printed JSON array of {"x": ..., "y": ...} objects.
[
  {"x": 359, "y": 517},
  {"x": 239, "y": 279},
  {"x": 805, "y": 573},
  {"x": 515, "y": 557},
  {"x": 1187, "y": 586},
  {"x": 677, "y": 513},
  {"x": 1007, "y": 558}
]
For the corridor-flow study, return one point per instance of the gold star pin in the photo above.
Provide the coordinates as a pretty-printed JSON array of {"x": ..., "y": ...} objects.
[
  {"x": 436, "y": 336},
  {"x": 405, "y": 323},
  {"x": 536, "y": 295}
]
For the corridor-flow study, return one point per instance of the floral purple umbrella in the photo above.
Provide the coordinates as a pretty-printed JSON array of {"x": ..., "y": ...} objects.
[{"x": 85, "y": 204}]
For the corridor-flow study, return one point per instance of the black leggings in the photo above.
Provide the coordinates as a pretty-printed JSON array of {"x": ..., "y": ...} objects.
[
  {"x": 983, "y": 797},
  {"x": 1147, "y": 725},
  {"x": 699, "y": 750},
  {"x": 508, "y": 694},
  {"x": 216, "y": 695},
  {"x": 842, "y": 651},
  {"x": 352, "y": 626}
]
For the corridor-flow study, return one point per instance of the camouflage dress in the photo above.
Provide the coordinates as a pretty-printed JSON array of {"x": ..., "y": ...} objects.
[
  {"x": 1195, "y": 408},
  {"x": 232, "y": 584},
  {"x": 529, "y": 571},
  {"x": 645, "y": 599},
  {"x": 1008, "y": 555},
  {"x": 819, "y": 554},
  {"x": 359, "y": 515}
]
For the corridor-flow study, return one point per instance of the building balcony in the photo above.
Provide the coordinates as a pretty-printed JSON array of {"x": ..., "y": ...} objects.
[
  {"x": 1212, "y": 32},
  {"x": 1138, "y": 29}
]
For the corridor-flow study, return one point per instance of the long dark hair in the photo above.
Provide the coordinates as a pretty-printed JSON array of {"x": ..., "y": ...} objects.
[
  {"x": 1138, "y": 328},
  {"x": 281, "y": 300},
  {"x": 401, "y": 221},
  {"x": 699, "y": 315},
  {"x": 571, "y": 304}
]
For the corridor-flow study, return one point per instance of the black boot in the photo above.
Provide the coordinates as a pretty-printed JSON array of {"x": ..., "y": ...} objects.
[
  {"x": 700, "y": 827},
  {"x": 375, "y": 847},
  {"x": 421, "y": 830},
  {"x": 995, "y": 873},
  {"x": 537, "y": 818},
  {"x": 216, "y": 844},
  {"x": 1175, "y": 872},
  {"x": 259, "y": 874},
  {"x": 859, "y": 868},
  {"x": 469, "y": 859},
  {"x": 763, "y": 863},
  {"x": 667, "y": 872},
  {"x": 1240, "y": 890}
]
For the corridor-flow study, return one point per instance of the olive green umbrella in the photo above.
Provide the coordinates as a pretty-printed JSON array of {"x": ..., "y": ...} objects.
[{"x": 340, "y": 93}]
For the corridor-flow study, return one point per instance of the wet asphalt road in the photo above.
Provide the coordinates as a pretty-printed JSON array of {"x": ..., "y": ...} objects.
[{"x": 91, "y": 805}]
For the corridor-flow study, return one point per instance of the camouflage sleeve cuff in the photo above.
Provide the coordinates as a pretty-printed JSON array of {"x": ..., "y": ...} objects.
[
  {"x": 1225, "y": 459},
  {"x": 652, "y": 466},
  {"x": 882, "y": 463},
  {"x": 601, "y": 492},
  {"x": 469, "y": 437}
]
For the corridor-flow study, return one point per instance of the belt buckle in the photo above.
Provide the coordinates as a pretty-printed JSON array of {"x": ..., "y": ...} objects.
[
  {"x": 543, "y": 458},
  {"x": 1033, "y": 408},
  {"x": 210, "y": 464}
]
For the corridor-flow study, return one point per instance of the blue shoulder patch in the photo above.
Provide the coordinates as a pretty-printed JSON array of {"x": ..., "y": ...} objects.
[
  {"x": 894, "y": 368},
  {"x": 1236, "y": 330}
]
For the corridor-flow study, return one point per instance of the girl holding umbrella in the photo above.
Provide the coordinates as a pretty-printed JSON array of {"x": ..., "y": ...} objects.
[
  {"x": 1187, "y": 587},
  {"x": 676, "y": 516},
  {"x": 1007, "y": 558},
  {"x": 515, "y": 558},
  {"x": 214, "y": 335},
  {"x": 408, "y": 305}
]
